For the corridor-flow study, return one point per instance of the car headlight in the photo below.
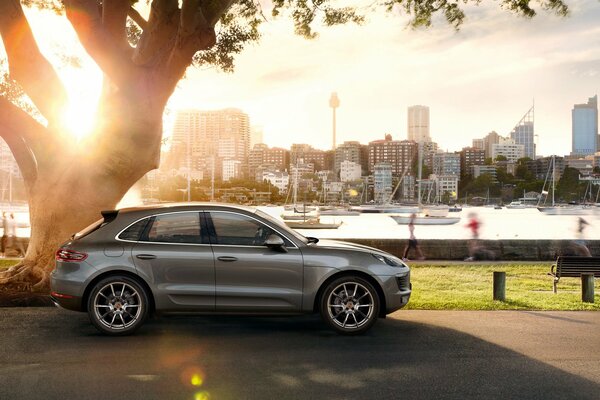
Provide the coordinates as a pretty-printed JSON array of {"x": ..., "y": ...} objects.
[{"x": 387, "y": 260}]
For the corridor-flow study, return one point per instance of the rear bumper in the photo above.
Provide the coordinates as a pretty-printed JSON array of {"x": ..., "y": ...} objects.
[{"x": 68, "y": 302}]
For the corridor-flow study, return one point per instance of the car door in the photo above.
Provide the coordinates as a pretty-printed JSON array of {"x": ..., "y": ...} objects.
[
  {"x": 176, "y": 257},
  {"x": 251, "y": 277}
]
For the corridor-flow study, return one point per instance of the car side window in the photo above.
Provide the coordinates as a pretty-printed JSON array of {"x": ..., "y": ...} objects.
[
  {"x": 175, "y": 228},
  {"x": 240, "y": 230},
  {"x": 134, "y": 232}
]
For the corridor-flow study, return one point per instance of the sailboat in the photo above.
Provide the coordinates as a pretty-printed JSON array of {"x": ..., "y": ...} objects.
[
  {"x": 304, "y": 217},
  {"x": 554, "y": 209},
  {"x": 428, "y": 215},
  {"x": 388, "y": 206}
]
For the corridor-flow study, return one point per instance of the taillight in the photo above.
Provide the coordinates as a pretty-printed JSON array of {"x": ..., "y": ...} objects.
[{"x": 67, "y": 255}]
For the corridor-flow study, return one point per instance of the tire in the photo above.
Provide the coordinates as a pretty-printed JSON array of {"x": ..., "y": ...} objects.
[
  {"x": 350, "y": 305},
  {"x": 118, "y": 305}
]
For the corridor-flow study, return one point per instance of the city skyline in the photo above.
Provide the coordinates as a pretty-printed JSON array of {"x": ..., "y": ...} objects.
[{"x": 480, "y": 79}]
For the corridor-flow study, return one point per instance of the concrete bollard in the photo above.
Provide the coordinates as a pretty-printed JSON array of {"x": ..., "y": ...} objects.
[
  {"x": 587, "y": 288},
  {"x": 499, "y": 286}
]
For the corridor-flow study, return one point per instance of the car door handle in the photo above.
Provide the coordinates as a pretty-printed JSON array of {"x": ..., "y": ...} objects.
[
  {"x": 227, "y": 258},
  {"x": 146, "y": 256}
]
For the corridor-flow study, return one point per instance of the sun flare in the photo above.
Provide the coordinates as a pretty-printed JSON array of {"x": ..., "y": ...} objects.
[{"x": 83, "y": 88}]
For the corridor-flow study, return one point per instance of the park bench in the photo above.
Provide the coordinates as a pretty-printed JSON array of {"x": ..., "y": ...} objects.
[{"x": 574, "y": 266}]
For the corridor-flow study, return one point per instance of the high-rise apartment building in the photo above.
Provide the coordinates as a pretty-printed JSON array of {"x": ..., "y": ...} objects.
[
  {"x": 309, "y": 154},
  {"x": 523, "y": 133},
  {"x": 382, "y": 176},
  {"x": 348, "y": 151},
  {"x": 418, "y": 124},
  {"x": 204, "y": 138},
  {"x": 446, "y": 164},
  {"x": 584, "y": 122},
  {"x": 263, "y": 158},
  {"x": 489, "y": 141},
  {"x": 509, "y": 149},
  {"x": 470, "y": 156},
  {"x": 400, "y": 154}
]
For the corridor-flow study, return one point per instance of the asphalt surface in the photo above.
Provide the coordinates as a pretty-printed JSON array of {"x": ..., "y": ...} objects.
[{"x": 46, "y": 353}]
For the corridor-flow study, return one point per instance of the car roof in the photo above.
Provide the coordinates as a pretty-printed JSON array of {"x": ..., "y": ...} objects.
[{"x": 185, "y": 206}]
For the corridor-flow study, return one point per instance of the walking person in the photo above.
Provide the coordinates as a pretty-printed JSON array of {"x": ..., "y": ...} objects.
[
  {"x": 13, "y": 240},
  {"x": 474, "y": 225},
  {"x": 412, "y": 241},
  {"x": 4, "y": 240},
  {"x": 580, "y": 246}
]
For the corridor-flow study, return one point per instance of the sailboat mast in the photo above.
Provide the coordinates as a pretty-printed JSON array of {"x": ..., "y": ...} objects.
[
  {"x": 553, "y": 178},
  {"x": 419, "y": 172}
]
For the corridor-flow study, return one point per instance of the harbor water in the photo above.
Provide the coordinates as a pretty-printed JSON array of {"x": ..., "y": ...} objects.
[{"x": 521, "y": 224}]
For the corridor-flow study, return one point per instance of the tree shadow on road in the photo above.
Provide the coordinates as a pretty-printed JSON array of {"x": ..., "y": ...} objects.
[{"x": 281, "y": 358}]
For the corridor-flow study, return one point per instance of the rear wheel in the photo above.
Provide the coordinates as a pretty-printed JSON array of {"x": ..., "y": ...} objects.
[
  {"x": 350, "y": 305},
  {"x": 118, "y": 305}
]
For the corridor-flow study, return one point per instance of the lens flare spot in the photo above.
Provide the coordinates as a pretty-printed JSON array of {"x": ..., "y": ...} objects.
[
  {"x": 202, "y": 396},
  {"x": 197, "y": 380}
]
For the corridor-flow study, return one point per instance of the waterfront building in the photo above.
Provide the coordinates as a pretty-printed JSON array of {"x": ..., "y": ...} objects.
[
  {"x": 382, "y": 177},
  {"x": 489, "y": 141},
  {"x": 524, "y": 133},
  {"x": 408, "y": 192},
  {"x": 446, "y": 186},
  {"x": 584, "y": 123},
  {"x": 281, "y": 180},
  {"x": 400, "y": 154},
  {"x": 256, "y": 135},
  {"x": 478, "y": 144},
  {"x": 199, "y": 136},
  {"x": 585, "y": 165},
  {"x": 428, "y": 150},
  {"x": 350, "y": 171},
  {"x": 308, "y": 154},
  {"x": 418, "y": 124},
  {"x": 478, "y": 170},
  {"x": 509, "y": 149},
  {"x": 263, "y": 157},
  {"x": 446, "y": 164},
  {"x": 231, "y": 169},
  {"x": 470, "y": 156},
  {"x": 348, "y": 151},
  {"x": 541, "y": 167}
]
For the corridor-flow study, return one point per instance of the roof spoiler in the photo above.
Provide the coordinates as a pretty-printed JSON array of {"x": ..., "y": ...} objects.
[{"x": 109, "y": 215}]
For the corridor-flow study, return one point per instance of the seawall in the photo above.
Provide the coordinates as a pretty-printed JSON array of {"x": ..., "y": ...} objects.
[{"x": 452, "y": 249}]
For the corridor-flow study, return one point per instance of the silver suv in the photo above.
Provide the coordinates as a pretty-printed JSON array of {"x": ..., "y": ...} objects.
[{"x": 220, "y": 258}]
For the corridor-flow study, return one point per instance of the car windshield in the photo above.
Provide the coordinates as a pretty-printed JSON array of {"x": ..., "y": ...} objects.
[{"x": 281, "y": 225}]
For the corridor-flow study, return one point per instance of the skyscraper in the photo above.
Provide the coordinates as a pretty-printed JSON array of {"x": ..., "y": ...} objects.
[
  {"x": 418, "y": 124},
  {"x": 524, "y": 133},
  {"x": 584, "y": 123},
  {"x": 202, "y": 135}
]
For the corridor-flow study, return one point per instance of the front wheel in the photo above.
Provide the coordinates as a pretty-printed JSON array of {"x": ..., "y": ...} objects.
[
  {"x": 350, "y": 305},
  {"x": 118, "y": 305}
]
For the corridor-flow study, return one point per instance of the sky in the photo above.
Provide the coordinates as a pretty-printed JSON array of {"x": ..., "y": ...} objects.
[{"x": 484, "y": 77}]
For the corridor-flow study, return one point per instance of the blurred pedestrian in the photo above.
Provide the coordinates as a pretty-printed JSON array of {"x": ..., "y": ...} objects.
[
  {"x": 4, "y": 240},
  {"x": 474, "y": 246},
  {"x": 13, "y": 240},
  {"x": 580, "y": 245},
  {"x": 412, "y": 240}
]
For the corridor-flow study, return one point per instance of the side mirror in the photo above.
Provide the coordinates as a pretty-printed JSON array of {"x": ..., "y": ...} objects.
[{"x": 275, "y": 242}]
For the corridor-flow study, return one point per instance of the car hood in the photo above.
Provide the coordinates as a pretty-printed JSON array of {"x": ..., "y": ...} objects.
[{"x": 337, "y": 244}]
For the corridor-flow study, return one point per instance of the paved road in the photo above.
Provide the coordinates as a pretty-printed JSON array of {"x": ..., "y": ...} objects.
[{"x": 47, "y": 353}]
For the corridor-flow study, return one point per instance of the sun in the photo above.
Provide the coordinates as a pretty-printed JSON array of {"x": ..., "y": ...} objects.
[{"x": 83, "y": 87}]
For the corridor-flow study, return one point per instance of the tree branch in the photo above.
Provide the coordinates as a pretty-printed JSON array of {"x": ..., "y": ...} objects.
[
  {"x": 159, "y": 35},
  {"x": 28, "y": 66},
  {"x": 137, "y": 18},
  {"x": 114, "y": 18},
  {"x": 98, "y": 42},
  {"x": 196, "y": 32},
  {"x": 24, "y": 136}
]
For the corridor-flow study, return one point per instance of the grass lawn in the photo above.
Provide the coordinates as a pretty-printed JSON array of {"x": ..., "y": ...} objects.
[
  {"x": 469, "y": 287},
  {"x": 8, "y": 262}
]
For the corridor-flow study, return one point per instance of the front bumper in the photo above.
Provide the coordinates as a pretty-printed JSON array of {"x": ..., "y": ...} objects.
[{"x": 397, "y": 291}]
